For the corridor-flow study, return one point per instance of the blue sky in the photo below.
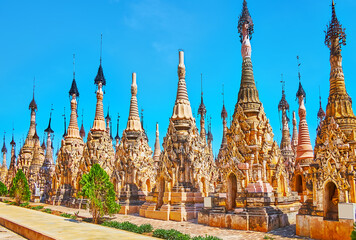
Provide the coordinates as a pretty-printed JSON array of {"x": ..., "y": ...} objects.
[{"x": 40, "y": 37}]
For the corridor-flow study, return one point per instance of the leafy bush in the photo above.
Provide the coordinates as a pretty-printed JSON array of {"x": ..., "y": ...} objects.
[
  {"x": 47, "y": 210},
  {"x": 127, "y": 226},
  {"x": 66, "y": 215},
  {"x": 353, "y": 233},
  {"x": 25, "y": 204},
  {"x": 74, "y": 217},
  {"x": 6, "y": 201},
  {"x": 171, "y": 234},
  {"x": 37, "y": 207},
  {"x": 206, "y": 238},
  {"x": 3, "y": 189},
  {"x": 20, "y": 189},
  {"x": 146, "y": 228},
  {"x": 96, "y": 186},
  {"x": 12, "y": 203}
]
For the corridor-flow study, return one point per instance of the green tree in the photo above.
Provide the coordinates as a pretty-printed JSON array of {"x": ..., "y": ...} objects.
[
  {"x": 97, "y": 187},
  {"x": 3, "y": 189},
  {"x": 353, "y": 233},
  {"x": 19, "y": 189}
]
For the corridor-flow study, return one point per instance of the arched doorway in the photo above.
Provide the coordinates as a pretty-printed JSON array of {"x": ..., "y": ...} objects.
[
  {"x": 282, "y": 185},
  {"x": 331, "y": 200},
  {"x": 148, "y": 185},
  {"x": 161, "y": 189},
  {"x": 299, "y": 184},
  {"x": 231, "y": 191}
]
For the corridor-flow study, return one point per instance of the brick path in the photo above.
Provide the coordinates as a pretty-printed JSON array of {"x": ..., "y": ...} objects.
[{"x": 192, "y": 227}]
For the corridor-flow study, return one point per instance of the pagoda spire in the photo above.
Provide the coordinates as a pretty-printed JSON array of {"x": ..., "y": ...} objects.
[
  {"x": 202, "y": 112},
  {"x": 294, "y": 141},
  {"x": 4, "y": 151},
  {"x": 321, "y": 113},
  {"x": 13, "y": 154},
  {"x": 210, "y": 135},
  {"x": 117, "y": 137},
  {"x": 304, "y": 148},
  {"x": 33, "y": 108},
  {"x": 285, "y": 146},
  {"x": 283, "y": 107},
  {"x": 157, "y": 150},
  {"x": 223, "y": 117},
  {"x": 108, "y": 120},
  {"x": 49, "y": 153},
  {"x": 248, "y": 94},
  {"x": 133, "y": 123},
  {"x": 182, "y": 108},
  {"x": 339, "y": 102},
  {"x": 82, "y": 131},
  {"x": 99, "y": 120},
  {"x": 73, "y": 130}
]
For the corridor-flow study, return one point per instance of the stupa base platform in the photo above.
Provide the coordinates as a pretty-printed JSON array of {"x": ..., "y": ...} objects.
[
  {"x": 261, "y": 219},
  {"x": 129, "y": 209},
  {"x": 317, "y": 228},
  {"x": 177, "y": 206}
]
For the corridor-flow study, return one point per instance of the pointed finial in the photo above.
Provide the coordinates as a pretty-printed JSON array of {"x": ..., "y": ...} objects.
[
  {"x": 73, "y": 65},
  {"x": 245, "y": 22},
  {"x": 201, "y": 83},
  {"x": 117, "y": 127},
  {"x": 283, "y": 83},
  {"x": 299, "y": 77},
  {"x": 4, "y": 150},
  {"x": 321, "y": 113},
  {"x": 335, "y": 35},
  {"x": 101, "y": 46},
  {"x": 223, "y": 94},
  {"x": 108, "y": 118},
  {"x": 142, "y": 118},
  {"x": 65, "y": 124}
]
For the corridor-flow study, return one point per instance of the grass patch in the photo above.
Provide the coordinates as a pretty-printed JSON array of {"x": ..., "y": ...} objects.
[
  {"x": 268, "y": 237},
  {"x": 47, "y": 210},
  {"x": 66, "y": 215},
  {"x": 25, "y": 204},
  {"x": 37, "y": 207}
]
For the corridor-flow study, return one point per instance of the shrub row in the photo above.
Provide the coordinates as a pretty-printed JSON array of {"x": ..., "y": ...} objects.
[
  {"x": 127, "y": 226},
  {"x": 173, "y": 234}
]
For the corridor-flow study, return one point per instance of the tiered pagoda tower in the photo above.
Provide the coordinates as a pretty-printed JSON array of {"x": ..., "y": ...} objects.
[
  {"x": 65, "y": 183},
  {"x": 285, "y": 146},
  {"x": 134, "y": 161},
  {"x": 294, "y": 141},
  {"x": 99, "y": 148},
  {"x": 304, "y": 150},
  {"x": 48, "y": 167},
  {"x": 31, "y": 154},
  {"x": 13, "y": 167},
  {"x": 186, "y": 164},
  {"x": 157, "y": 151},
  {"x": 3, "y": 167},
  {"x": 252, "y": 166},
  {"x": 331, "y": 175}
]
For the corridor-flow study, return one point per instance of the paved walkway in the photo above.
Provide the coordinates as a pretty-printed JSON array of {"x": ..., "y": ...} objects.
[
  {"x": 60, "y": 227},
  {"x": 192, "y": 227},
  {"x": 6, "y": 234}
]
